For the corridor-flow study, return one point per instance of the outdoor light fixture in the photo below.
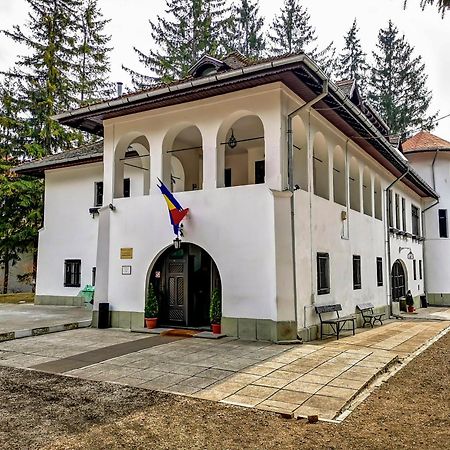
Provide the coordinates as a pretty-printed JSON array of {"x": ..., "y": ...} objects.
[
  {"x": 410, "y": 254},
  {"x": 177, "y": 243},
  {"x": 232, "y": 142}
]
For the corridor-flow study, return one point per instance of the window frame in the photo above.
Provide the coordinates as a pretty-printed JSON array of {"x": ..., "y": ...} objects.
[
  {"x": 391, "y": 215},
  {"x": 397, "y": 211},
  {"x": 415, "y": 220},
  {"x": 420, "y": 270},
  {"x": 74, "y": 277},
  {"x": 321, "y": 290},
  {"x": 379, "y": 263},
  {"x": 403, "y": 214},
  {"x": 414, "y": 270},
  {"x": 98, "y": 186},
  {"x": 126, "y": 187},
  {"x": 357, "y": 282}
]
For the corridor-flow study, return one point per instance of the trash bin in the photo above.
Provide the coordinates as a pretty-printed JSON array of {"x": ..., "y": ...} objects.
[
  {"x": 88, "y": 293},
  {"x": 423, "y": 301},
  {"x": 103, "y": 315}
]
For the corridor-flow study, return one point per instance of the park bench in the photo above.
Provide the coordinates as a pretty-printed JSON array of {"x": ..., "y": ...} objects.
[
  {"x": 368, "y": 315},
  {"x": 336, "y": 323}
]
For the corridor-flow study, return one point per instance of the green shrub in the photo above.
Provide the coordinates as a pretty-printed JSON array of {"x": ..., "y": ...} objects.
[
  {"x": 215, "y": 307},
  {"x": 151, "y": 303}
]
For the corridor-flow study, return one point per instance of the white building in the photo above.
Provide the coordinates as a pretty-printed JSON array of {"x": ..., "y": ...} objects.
[
  {"x": 430, "y": 156},
  {"x": 292, "y": 216}
]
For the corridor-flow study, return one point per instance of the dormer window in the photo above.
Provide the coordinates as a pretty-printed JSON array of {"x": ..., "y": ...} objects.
[
  {"x": 207, "y": 69},
  {"x": 205, "y": 66}
]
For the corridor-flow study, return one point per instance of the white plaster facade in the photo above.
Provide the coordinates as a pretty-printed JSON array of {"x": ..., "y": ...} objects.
[{"x": 267, "y": 264}]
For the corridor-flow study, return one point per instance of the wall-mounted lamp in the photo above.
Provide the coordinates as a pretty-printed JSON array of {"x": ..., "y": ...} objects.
[
  {"x": 177, "y": 243},
  {"x": 112, "y": 207},
  {"x": 410, "y": 255}
]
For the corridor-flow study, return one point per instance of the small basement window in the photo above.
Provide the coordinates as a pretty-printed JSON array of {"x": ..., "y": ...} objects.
[{"x": 72, "y": 273}]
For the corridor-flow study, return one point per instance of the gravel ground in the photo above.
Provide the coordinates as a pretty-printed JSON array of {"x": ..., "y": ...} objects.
[{"x": 411, "y": 410}]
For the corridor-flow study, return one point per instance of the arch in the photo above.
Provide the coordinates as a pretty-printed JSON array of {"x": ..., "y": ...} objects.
[
  {"x": 132, "y": 166},
  {"x": 320, "y": 166},
  {"x": 378, "y": 198},
  {"x": 300, "y": 154},
  {"x": 183, "y": 280},
  {"x": 183, "y": 158},
  {"x": 339, "y": 184},
  {"x": 367, "y": 192},
  {"x": 399, "y": 279},
  {"x": 242, "y": 163},
  {"x": 354, "y": 185}
]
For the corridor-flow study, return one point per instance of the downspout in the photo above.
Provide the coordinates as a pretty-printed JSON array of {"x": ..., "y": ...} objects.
[
  {"x": 291, "y": 186},
  {"x": 388, "y": 241}
]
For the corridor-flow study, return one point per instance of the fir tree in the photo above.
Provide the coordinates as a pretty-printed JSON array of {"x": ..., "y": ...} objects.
[
  {"x": 443, "y": 5},
  {"x": 291, "y": 32},
  {"x": 190, "y": 29},
  {"x": 44, "y": 72},
  {"x": 245, "y": 33},
  {"x": 352, "y": 62},
  {"x": 398, "y": 83},
  {"x": 91, "y": 73}
]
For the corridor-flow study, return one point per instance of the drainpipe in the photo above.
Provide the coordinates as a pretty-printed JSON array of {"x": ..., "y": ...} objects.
[
  {"x": 291, "y": 187},
  {"x": 388, "y": 241}
]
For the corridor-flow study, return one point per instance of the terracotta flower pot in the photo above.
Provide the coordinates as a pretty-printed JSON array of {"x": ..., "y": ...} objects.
[
  {"x": 216, "y": 328},
  {"x": 411, "y": 308},
  {"x": 151, "y": 322}
]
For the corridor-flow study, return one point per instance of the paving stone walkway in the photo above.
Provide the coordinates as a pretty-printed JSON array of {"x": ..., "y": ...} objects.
[{"x": 315, "y": 378}]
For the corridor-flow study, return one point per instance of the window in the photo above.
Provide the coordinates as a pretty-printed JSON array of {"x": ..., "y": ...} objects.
[
  {"x": 98, "y": 193},
  {"x": 323, "y": 273},
  {"x": 260, "y": 171},
  {"x": 356, "y": 272},
  {"x": 72, "y": 273},
  {"x": 443, "y": 232},
  {"x": 420, "y": 269},
  {"x": 415, "y": 220},
  {"x": 379, "y": 271},
  {"x": 390, "y": 218},
  {"x": 415, "y": 269},
  {"x": 403, "y": 214},
  {"x": 94, "y": 274},
  {"x": 227, "y": 177},
  {"x": 126, "y": 187},
  {"x": 397, "y": 211}
]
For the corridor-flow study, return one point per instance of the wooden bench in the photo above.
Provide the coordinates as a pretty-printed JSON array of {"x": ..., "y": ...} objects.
[
  {"x": 336, "y": 323},
  {"x": 368, "y": 315}
]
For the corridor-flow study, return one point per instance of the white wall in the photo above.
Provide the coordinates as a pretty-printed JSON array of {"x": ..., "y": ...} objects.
[{"x": 69, "y": 230}]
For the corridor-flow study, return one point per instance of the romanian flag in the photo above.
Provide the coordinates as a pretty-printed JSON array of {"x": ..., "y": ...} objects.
[{"x": 176, "y": 212}]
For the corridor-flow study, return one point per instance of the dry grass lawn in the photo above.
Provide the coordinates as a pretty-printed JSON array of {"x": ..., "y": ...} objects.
[{"x": 27, "y": 297}]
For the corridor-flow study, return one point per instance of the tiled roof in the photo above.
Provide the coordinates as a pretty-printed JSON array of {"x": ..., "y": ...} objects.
[
  {"x": 423, "y": 141},
  {"x": 80, "y": 155},
  {"x": 346, "y": 86}
]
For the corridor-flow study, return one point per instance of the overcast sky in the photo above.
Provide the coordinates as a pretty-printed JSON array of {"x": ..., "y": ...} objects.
[{"x": 426, "y": 31}]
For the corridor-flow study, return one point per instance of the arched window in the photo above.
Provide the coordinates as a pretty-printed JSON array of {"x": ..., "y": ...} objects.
[
  {"x": 367, "y": 192},
  {"x": 355, "y": 185},
  {"x": 241, "y": 148},
  {"x": 378, "y": 199},
  {"x": 132, "y": 166},
  {"x": 320, "y": 166},
  {"x": 183, "y": 155},
  {"x": 339, "y": 185},
  {"x": 300, "y": 154}
]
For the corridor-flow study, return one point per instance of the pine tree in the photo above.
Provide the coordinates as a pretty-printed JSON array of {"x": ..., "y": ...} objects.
[
  {"x": 91, "y": 73},
  {"x": 190, "y": 29},
  {"x": 443, "y": 5},
  {"x": 44, "y": 72},
  {"x": 245, "y": 33},
  {"x": 352, "y": 62},
  {"x": 20, "y": 197},
  {"x": 398, "y": 83},
  {"x": 291, "y": 32}
]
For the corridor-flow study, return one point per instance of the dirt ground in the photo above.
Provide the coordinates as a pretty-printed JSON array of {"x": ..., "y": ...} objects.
[{"x": 411, "y": 410}]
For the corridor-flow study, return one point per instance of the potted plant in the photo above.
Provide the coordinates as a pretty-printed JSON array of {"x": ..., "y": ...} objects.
[
  {"x": 215, "y": 311},
  {"x": 410, "y": 302},
  {"x": 151, "y": 308}
]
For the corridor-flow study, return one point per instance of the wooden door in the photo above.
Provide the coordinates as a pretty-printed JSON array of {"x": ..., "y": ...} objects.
[{"x": 177, "y": 290}]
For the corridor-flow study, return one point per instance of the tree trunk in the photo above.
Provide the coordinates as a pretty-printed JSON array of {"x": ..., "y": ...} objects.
[{"x": 6, "y": 273}]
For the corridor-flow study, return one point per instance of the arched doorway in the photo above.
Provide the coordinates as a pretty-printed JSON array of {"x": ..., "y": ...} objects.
[
  {"x": 398, "y": 280},
  {"x": 184, "y": 279}
]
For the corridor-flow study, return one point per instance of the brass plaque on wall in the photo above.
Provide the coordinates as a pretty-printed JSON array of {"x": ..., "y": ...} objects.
[{"x": 126, "y": 253}]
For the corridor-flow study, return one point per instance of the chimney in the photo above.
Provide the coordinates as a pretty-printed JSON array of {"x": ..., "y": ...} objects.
[{"x": 119, "y": 88}]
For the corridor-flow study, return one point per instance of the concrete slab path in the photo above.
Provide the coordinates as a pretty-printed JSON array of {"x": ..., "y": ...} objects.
[
  {"x": 317, "y": 378},
  {"x": 14, "y": 317}
]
